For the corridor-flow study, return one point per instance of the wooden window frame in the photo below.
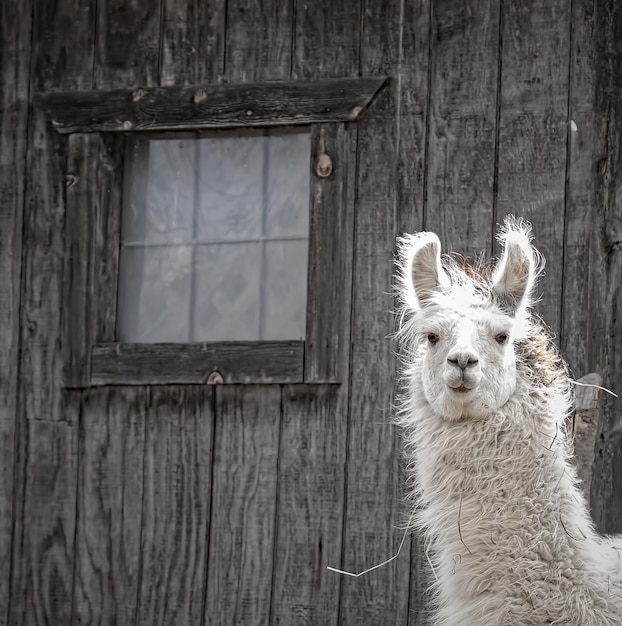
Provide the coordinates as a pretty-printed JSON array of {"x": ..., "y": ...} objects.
[{"x": 97, "y": 124}]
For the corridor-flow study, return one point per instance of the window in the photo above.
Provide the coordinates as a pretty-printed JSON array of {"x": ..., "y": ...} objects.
[
  {"x": 231, "y": 260},
  {"x": 214, "y": 237}
]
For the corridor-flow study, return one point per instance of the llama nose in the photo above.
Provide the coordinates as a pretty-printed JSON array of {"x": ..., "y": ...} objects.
[{"x": 463, "y": 359}]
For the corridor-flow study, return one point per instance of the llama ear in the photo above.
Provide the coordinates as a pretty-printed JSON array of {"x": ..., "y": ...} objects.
[
  {"x": 515, "y": 276},
  {"x": 423, "y": 268}
]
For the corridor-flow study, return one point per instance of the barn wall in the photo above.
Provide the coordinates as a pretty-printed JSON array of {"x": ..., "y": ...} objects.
[{"x": 194, "y": 504}]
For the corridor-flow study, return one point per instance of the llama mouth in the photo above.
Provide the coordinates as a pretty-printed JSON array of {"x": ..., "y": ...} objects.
[{"x": 461, "y": 388}]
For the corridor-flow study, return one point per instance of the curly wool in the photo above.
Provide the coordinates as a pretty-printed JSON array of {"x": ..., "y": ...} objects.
[{"x": 497, "y": 499}]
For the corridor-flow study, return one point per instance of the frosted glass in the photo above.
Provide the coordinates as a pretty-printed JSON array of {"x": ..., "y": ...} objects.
[
  {"x": 231, "y": 188},
  {"x": 154, "y": 294},
  {"x": 214, "y": 237},
  {"x": 288, "y": 186},
  {"x": 285, "y": 268},
  {"x": 159, "y": 194},
  {"x": 228, "y": 292}
]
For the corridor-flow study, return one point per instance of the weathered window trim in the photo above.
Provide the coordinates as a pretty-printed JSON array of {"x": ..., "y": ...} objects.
[
  {"x": 91, "y": 354},
  {"x": 282, "y": 103}
]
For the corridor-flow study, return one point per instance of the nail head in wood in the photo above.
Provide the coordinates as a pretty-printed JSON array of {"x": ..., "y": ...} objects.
[
  {"x": 137, "y": 94},
  {"x": 199, "y": 95},
  {"x": 324, "y": 166},
  {"x": 127, "y": 125},
  {"x": 215, "y": 378},
  {"x": 356, "y": 112}
]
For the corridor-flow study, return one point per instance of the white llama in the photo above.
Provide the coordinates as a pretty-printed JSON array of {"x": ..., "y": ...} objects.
[{"x": 506, "y": 525}]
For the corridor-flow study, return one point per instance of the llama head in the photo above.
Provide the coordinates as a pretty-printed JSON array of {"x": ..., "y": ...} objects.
[{"x": 464, "y": 321}]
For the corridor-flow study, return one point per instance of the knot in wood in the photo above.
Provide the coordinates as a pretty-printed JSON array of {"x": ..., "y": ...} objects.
[
  {"x": 199, "y": 95},
  {"x": 324, "y": 166},
  {"x": 356, "y": 112},
  {"x": 215, "y": 378},
  {"x": 70, "y": 180},
  {"x": 137, "y": 94}
]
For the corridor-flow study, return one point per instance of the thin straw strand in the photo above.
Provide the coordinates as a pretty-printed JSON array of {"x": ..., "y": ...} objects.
[
  {"x": 340, "y": 571},
  {"x": 576, "y": 382}
]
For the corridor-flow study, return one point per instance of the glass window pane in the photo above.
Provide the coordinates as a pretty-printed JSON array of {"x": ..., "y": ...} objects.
[
  {"x": 159, "y": 191},
  {"x": 288, "y": 186},
  {"x": 285, "y": 289},
  {"x": 214, "y": 237},
  {"x": 227, "y": 292},
  {"x": 230, "y": 195},
  {"x": 154, "y": 293}
]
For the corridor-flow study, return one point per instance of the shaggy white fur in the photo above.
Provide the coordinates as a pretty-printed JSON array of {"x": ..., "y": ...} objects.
[{"x": 484, "y": 408}]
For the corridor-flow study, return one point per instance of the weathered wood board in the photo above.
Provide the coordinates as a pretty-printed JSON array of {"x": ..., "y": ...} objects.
[{"x": 155, "y": 502}]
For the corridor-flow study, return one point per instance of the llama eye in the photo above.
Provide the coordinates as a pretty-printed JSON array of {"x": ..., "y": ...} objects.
[
  {"x": 502, "y": 338},
  {"x": 433, "y": 338}
]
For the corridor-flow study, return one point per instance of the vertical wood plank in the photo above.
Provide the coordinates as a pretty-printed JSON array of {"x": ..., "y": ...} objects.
[
  {"x": 310, "y": 514},
  {"x": 110, "y": 490},
  {"x": 312, "y": 464},
  {"x": 93, "y": 180},
  {"x": 193, "y": 41},
  {"x": 244, "y": 499},
  {"x": 248, "y": 418},
  {"x": 15, "y": 42},
  {"x": 44, "y": 516},
  {"x": 43, "y": 576},
  {"x": 374, "y": 505},
  {"x": 463, "y": 108},
  {"x": 605, "y": 302},
  {"x": 533, "y": 131},
  {"x": 581, "y": 197},
  {"x": 128, "y": 43},
  {"x": 177, "y": 497},
  {"x": 106, "y": 236},
  {"x": 330, "y": 256},
  {"x": 259, "y": 39},
  {"x": 326, "y": 39}
]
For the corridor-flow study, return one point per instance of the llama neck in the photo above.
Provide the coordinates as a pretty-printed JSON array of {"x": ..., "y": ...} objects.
[
  {"x": 496, "y": 473},
  {"x": 498, "y": 498}
]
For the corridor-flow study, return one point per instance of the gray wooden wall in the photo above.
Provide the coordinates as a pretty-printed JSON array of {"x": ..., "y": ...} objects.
[{"x": 202, "y": 505}]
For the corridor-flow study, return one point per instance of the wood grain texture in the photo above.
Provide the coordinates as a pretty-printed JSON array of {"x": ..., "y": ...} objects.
[
  {"x": 259, "y": 39},
  {"x": 326, "y": 39},
  {"x": 91, "y": 178},
  {"x": 244, "y": 499},
  {"x": 177, "y": 498},
  {"x": 463, "y": 107},
  {"x": 330, "y": 256},
  {"x": 193, "y": 41},
  {"x": 375, "y": 512},
  {"x": 533, "y": 124},
  {"x": 110, "y": 492},
  {"x": 128, "y": 43},
  {"x": 605, "y": 303},
  {"x": 188, "y": 363},
  {"x": 310, "y": 506},
  {"x": 43, "y": 574},
  {"x": 211, "y": 106},
  {"x": 77, "y": 330},
  {"x": 313, "y": 451},
  {"x": 581, "y": 200},
  {"x": 106, "y": 236},
  {"x": 46, "y": 476},
  {"x": 412, "y": 115},
  {"x": 585, "y": 427},
  {"x": 15, "y": 42}
]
